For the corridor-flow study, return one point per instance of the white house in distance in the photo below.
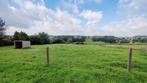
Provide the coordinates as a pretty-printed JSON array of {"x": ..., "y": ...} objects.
[{"x": 22, "y": 44}]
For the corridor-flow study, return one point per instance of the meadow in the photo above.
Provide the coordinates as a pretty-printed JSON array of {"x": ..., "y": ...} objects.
[{"x": 71, "y": 63}]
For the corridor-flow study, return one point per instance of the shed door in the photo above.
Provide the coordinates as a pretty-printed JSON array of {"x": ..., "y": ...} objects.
[{"x": 18, "y": 44}]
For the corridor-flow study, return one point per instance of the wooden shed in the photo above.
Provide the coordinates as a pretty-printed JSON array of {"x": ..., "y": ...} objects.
[{"x": 22, "y": 44}]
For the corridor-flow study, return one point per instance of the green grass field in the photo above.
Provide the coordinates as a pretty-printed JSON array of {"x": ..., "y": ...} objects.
[{"x": 71, "y": 64}]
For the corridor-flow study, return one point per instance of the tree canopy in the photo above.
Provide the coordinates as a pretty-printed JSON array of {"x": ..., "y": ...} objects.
[
  {"x": 20, "y": 36},
  {"x": 2, "y": 28}
]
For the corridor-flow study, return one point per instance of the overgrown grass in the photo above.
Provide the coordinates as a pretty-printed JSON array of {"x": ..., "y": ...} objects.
[{"x": 71, "y": 64}]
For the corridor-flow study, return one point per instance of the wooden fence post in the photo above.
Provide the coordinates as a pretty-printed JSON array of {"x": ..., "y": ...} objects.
[
  {"x": 129, "y": 59},
  {"x": 47, "y": 55}
]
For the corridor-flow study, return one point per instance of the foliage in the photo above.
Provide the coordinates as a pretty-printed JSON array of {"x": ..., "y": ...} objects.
[
  {"x": 44, "y": 38},
  {"x": 7, "y": 40},
  {"x": 123, "y": 40},
  {"x": 40, "y": 38},
  {"x": 108, "y": 39},
  {"x": 142, "y": 39},
  {"x": 35, "y": 39},
  {"x": 20, "y": 36},
  {"x": 69, "y": 39},
  {"x": 2, "y": 28}
]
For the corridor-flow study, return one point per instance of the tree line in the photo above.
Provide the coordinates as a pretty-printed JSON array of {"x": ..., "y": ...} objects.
[{"x": 44, "y": 38}]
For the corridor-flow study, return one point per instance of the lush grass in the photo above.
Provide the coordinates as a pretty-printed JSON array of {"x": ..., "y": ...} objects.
[
  {"x": 134, "y": 46},
  {"x": 71, "y": 64}
]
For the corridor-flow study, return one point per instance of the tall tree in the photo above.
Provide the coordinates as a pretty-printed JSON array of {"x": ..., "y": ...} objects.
[
  {"x": 24, "y": 36},
  {"x": 20, "y": 36},
  {"x": 44, "y": 37},
  {"x": 16, "y": 35},
  {"x": 2, "y": 28}
]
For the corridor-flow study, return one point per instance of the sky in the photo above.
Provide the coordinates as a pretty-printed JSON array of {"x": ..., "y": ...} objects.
[{"x": 76, "y": 17}]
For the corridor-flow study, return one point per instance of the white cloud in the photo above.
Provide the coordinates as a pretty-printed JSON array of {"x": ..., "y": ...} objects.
[
  {"x": 71, "y": 4},
  {"x": 59, "y": 23},
  {"x": 132, "y": 8},
  {"x": 24, "y": 15},
  {"x": 55, "y": 22},
  {"x": 89, "y": 1},
  {"x": 133, "y": 23},
  {"x": 65, "y": 22},
  {"x": 92, "y": 17},
  {"x": 30, "y": 17},
  {"x": 18, "y": 15},
  {"x": 129, "y": 27},
  {"x": 74, "y": 5}
]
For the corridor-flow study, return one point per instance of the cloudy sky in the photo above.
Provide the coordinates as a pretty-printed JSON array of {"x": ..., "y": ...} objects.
[{"x": 76, "y": 17}]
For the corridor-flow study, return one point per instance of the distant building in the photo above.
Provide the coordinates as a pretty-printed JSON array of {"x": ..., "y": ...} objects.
[{"x": 22, "y": 44}]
